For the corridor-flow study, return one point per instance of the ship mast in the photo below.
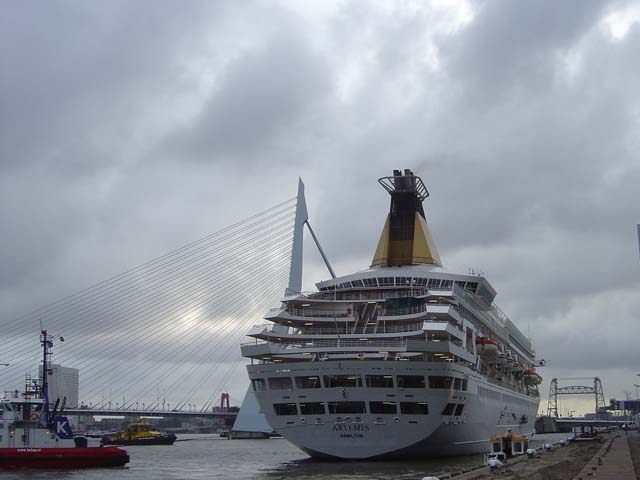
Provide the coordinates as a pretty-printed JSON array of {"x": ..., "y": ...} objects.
[{"x": 47, "y": 344}]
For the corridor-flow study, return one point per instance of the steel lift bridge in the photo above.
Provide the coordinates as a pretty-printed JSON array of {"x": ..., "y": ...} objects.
[{"x": 595, "y": 390}]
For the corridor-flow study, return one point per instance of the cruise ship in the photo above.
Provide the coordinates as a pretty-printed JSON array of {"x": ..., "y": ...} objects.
[{"x": 403, "y": 359}]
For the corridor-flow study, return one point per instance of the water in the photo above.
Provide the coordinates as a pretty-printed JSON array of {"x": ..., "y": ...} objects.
[{"x": 210, "y": 457}]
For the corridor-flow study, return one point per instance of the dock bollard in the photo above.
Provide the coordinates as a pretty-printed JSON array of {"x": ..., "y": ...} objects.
[
  {"x": 430, "y": 478},
  {"x": 531, "y": 453},
  {"x": 547, "y": 447}
]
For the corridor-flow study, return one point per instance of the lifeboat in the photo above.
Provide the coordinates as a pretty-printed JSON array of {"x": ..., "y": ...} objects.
[
  {"x": 501, "y": 359},
  {"x": 486, "y": 347},
  {"x": 511, "y": 361},
  {"x": 518, "y": 368},
  {"x": 531, "y": 377}
]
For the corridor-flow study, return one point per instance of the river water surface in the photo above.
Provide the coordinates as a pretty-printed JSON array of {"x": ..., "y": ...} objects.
[{"x": 211, "y": 457}]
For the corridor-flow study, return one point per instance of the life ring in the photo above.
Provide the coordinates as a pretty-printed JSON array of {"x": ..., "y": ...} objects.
[{"x": 34, "y": 416}]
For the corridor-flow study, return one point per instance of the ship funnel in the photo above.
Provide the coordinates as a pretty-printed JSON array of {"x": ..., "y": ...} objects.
[{"x": 405, "y": 239}]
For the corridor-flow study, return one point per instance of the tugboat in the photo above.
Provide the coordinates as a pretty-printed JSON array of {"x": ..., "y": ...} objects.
[
  {"x": 139, "y": 433},
  {"x": 32, "y": 436}
]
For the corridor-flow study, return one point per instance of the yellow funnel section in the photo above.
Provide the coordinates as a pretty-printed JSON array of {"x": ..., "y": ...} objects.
[{"x": 420, "y": 249}]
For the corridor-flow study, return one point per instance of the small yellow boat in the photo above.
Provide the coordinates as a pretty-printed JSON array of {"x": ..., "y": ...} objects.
[
  {"x": 139, "y": 433},
  {"x": 508, "y": 445}
]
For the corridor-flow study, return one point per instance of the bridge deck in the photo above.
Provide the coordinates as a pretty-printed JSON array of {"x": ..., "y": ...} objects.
[
  {"x": 146, "y": 413},
  {"x": 583, "y": 422}
]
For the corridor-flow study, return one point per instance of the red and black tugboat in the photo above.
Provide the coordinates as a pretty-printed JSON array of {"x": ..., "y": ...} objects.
[{"x": 33, "y": 436}]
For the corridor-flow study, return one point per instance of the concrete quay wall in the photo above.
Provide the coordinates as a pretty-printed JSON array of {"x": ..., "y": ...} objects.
[{"x": 610, "y": 458}]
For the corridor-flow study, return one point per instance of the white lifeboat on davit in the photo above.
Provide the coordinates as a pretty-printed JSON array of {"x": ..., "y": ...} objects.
[
  {"x": 501, "y": 358},
  {"x": 511, "y": 361},
  {"x": 518, "y": 368},
  {"x": 486, "y": 347},
  {"x": 531, "y": 377}
]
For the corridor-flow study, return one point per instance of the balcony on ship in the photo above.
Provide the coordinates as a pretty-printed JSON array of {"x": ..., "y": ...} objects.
[
  {"x": 279, "y": 333},
  {"x": 295, "y": 315},
  {"x": 441, "y": 340},
  {"x": 308, "y": 312},
  {"x": 374, "y": 294},
  {"x": 368, "y": 294},
  {"x": 357, "y": 348}
]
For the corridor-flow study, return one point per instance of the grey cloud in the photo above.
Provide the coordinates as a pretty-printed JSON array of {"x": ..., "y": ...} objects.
[
  {"x": 511, "y": 47},
  {"x": 261, "y": 101},
  {"x": 75, "y": 74}
]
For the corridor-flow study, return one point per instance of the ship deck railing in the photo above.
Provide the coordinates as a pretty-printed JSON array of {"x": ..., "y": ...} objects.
[
  {"x": 13, "y": 394},
  {"x": 363, "y": 341},
  {"x": 400, "y": 312},
  {"x": 319, "y": 313},
  {"x": 380, "y": 329},
  {"x": 376, "y": 293},
  {"x": 385, "y": 312},
  {"x": 335, "y": 343},
  {"x": 369, "y": 295}
]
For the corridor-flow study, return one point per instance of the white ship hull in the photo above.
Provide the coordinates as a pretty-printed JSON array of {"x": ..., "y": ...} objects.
[
  {"x": 373, "y": 436},
  {"x": 404, "y": 359}
]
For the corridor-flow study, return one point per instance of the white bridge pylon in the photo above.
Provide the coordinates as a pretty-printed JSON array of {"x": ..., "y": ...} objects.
[
  {"x": 302, "y": 219},
  {"x": 249, "y": 418}
]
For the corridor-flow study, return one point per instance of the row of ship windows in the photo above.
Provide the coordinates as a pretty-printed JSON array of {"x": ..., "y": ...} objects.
[
  {"x": 341, "y": 408},
  {"x": 519, "y": 401},
  {"x": 492, "y": 394},
  {"x": 375, "y": 408},
  {"x": 402, "y": 282},
  {"x": 349, "y": 381}
]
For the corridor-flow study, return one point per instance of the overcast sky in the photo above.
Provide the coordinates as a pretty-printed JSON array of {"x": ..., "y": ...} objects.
[{"x": 128, "y": 129}]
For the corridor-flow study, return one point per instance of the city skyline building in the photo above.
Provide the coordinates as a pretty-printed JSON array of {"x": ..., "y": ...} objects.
[{"x": 63, "y": 382}]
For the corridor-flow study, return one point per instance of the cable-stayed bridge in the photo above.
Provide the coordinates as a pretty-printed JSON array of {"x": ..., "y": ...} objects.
[{"x": 164, "y": 334}]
